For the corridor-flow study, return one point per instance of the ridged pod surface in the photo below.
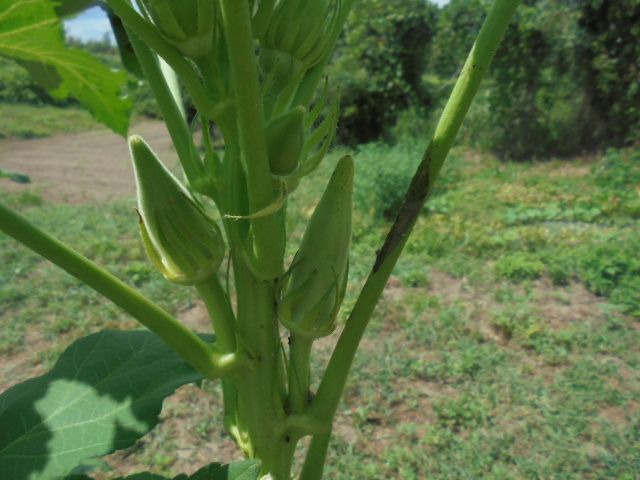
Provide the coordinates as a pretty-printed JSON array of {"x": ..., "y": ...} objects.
[
  {"x": 184, "y": 244},
  {"x": 188, "y": 24},
  {"x": 303, "y": 28},
  {"x": 311, "y": 292}
]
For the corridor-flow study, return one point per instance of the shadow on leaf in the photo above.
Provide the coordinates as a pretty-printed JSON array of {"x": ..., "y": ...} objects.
[{"x": 104, "y": 393}]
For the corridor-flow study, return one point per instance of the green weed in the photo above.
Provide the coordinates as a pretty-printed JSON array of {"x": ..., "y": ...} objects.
[
  {"x": 519, "y": 266},
  {"x": 30, "y": 121}
]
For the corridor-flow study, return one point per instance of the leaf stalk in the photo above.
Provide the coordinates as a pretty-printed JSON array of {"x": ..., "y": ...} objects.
[{"x": 189, "y": 346}]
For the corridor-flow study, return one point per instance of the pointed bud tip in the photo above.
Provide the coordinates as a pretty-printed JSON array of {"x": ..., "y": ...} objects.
[
  {"x": 135, "y": 141},
  {"x": 137, "y": 147},
  {"x": 343, "y": 175},
  {"x": 345, "y": 167},
  {"x": 135, "y": 138}
]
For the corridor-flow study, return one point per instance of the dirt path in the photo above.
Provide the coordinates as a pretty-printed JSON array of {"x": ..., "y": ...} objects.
[{"x": 83, "y": 167}]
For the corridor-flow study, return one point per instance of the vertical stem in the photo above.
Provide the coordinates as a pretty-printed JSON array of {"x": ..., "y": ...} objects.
[
  {"x": 334, "y": 380},
  {"x": 260, "y": 400},
  {"x": 300, "y": 353},
  {"x": 268, "y": 235},
  {"x": 220, "y": 313},
  {"x": 314, "y": 463},
  {"x": 223, "y": 322}
]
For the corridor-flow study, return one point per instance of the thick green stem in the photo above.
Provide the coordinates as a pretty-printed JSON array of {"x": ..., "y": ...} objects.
[
  {"x": 191, "y": 347},
  {"x": 334, "y": 380},
  {"x": 260, "y": 400},
  {"x": 267, "y": 232},
  {"x": 300, "y": 353},
  {"x": 147, "y": 32}
]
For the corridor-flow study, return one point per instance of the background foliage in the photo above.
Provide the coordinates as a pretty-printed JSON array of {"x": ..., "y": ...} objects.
[{"x": 565, "y": 81}]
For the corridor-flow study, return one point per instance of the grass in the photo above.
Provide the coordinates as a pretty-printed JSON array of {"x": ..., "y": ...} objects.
[
  {"x": 506, "y": 345},
  {"x": 30, "y": 121}
]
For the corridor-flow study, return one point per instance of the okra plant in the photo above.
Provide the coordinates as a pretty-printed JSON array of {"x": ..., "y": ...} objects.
[{"x": 254, "y": 68}]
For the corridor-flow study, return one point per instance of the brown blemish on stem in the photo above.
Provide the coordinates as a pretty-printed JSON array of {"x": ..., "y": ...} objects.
[{"x": 414, "y": 200}]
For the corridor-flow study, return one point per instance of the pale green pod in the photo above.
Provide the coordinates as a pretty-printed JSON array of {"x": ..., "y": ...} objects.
[
  {"x": 285, "y": 141},
  {"x": 311, "y": 292},
  {"x": 183, "y": 243},
  {"x": 188, "y": 24}
]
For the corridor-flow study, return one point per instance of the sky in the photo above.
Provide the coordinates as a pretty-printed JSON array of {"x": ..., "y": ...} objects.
[{"x": 93, "y": 24}]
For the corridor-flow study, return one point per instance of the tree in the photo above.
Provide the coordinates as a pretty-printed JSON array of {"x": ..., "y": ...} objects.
[
  {"x": 379, "y": 65},
  {"x": 608, "y": 51}
]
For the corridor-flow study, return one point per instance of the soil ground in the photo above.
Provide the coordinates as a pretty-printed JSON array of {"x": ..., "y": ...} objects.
[{"x": 82, "y": 167}]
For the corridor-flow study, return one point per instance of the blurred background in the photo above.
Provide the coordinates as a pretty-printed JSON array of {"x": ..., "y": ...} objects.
[{"x": 566, "y": 80}]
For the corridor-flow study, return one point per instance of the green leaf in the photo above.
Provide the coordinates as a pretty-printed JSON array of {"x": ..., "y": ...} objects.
[
  {"x": 44, "y": 75},
  {"x": 150, "y": 476},
  {"x": 104, "y": 393},
  {"x": 31, "y": 32},
  {"x": 14, "y": 177},
  {"x": 244, "y": 470},
  {"x": 72, "y": 7}
]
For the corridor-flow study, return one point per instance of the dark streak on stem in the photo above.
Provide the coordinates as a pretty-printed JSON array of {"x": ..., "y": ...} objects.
[{"x": 414, "y": 200}]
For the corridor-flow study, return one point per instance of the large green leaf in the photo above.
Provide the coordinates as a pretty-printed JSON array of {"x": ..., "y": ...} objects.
[
  {"x": 245, "y": 470},
  {"x": 31, "y": 32},
  {"x": 73, "y": 7},
  {"x": 104, "y": 393}
]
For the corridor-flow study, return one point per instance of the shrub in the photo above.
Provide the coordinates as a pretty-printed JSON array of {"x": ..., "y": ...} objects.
[
  {"x": 520, "y": 266},
  {"x": 384, "y": 173},
  {"x": 559, "y": 273},
  {"x": 614, "y": 263},
  {"x": 145, "y": 103},
  {"x": 16, "y": 85},
  {"x": 379, "y": 65},
  {"x": 627, "y": 294},
  {"x": 535, "y": 99},
  {"x": 412, "y": 271},
  {"x": 618, "y": 171},
  {"x": 564, "y": 80},
  {"x": 608, "y": 51}
]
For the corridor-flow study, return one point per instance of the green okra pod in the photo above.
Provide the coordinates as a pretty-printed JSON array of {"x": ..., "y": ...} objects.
[
  {"x": 180, "y": 239},
  {"x": 311, "y": 292},
  {"x": 188, "y": 24}
]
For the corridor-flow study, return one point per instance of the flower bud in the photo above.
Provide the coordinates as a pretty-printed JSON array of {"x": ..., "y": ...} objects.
[
  {"x": 311, "y": 292},
  {"x": 304, "y": 28},
  {"x": 180, "y": 239},
  {"x": 285, "y": 141},
  {"x": 188, "y": 24}
]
